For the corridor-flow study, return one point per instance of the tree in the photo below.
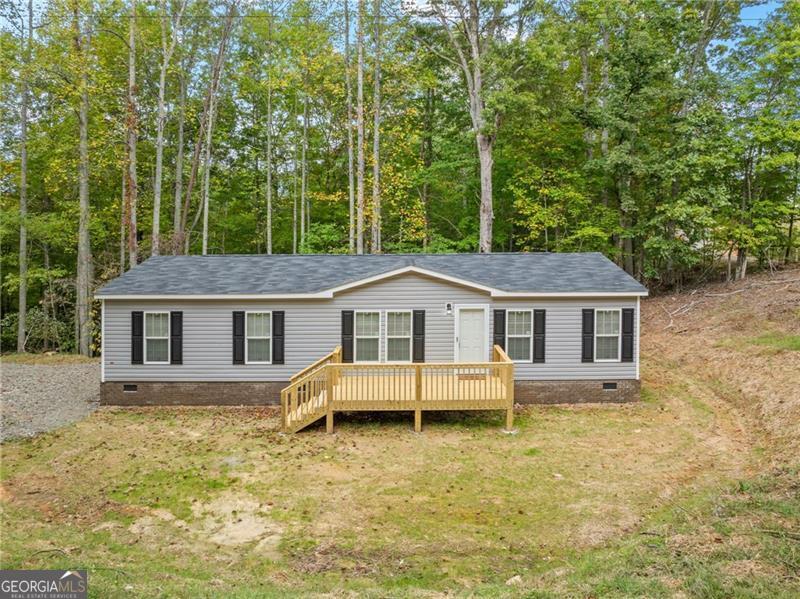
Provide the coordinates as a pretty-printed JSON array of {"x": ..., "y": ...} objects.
[
  {"x": 376, "y": 133},
  {"x": 472, "y": 27},
  {"x": 132, "y": 125},
  {"x": 360, "y": 129},
  {"x": 167, "y": 49},
  {"x": 349, "y": 90},
  {"x": 23, "y": 182}
]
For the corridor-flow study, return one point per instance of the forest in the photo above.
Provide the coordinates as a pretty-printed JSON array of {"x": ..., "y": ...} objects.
[{"x": 662, "y": 133}]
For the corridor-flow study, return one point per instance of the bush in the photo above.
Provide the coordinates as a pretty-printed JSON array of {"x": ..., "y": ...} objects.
[{"x": 44, "y": 332}]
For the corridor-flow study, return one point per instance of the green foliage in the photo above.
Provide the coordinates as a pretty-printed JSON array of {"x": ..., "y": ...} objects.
[{"x": 665, "y": 135}]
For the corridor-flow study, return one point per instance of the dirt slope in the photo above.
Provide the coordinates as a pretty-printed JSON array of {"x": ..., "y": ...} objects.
[{"x": 743, "y": 342}]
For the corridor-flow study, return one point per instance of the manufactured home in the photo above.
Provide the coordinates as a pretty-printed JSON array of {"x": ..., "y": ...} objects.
[{"x": 326, "y": 333}]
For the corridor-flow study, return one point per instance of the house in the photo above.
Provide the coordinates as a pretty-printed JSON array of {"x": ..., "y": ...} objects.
[{"x": 239, "y": 329}]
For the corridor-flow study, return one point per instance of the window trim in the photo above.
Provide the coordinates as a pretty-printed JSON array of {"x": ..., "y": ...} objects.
[
  {"x": 145, "y": 337},
  {"x": 355, "y": 335},
  {"x": 410, "y": 337},
  {"x": 530, "y": 344},
  {"x": 619, "y": 334},
  {"x": 247, "y": 337}
]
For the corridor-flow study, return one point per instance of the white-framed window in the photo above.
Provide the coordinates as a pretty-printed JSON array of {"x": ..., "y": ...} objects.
[
  {"x": 156, "y": 337},
  {"x": 607, "y": 338},
  {"x": 367, "y": 336},
  {"x": 258, "y": 338},
  {"x": 519, "y": 335},
  {"x": 398, "y": 335}
]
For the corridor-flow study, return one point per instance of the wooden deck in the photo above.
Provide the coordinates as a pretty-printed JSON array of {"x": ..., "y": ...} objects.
[{"x": 396, "y": 387}]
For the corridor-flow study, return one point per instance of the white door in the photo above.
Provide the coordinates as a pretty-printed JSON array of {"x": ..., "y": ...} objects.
[{"x": 471, "y": 336}]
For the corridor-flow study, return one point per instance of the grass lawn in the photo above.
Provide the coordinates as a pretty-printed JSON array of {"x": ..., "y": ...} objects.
[{"x": 216, "y": 501}]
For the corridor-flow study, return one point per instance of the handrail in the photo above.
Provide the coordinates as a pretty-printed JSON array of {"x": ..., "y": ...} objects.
[{"x": 331, "y": 357}]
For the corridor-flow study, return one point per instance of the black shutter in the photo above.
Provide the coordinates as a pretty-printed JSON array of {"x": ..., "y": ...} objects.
[
  {"x": 587, "y": 351},
  {"x": 347, "y": 335},
  {"x": 176, "y": 337},
  {"x": 137, "y": 337},
  {"x": 627, "y": 334},
  {"x": 538, "y": 335},
  {"x": 418, "y": 351},
  {"x": 500, "y": 328},
  {"x": 238, "y": 337},
  {"x": 277, "y": 337}
]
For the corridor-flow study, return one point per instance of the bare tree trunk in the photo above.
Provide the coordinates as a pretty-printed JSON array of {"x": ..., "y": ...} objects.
[
  {"x": 23, "y": 188},
  {"x": 132, "y": 125},
  {"x": 376, "y": 135},
  {"x": 294, "y": 178},
  {"x": 122, "y": 226},
  {"x": 176, "y": 217},
  {"x": 84, "y": 270},
  {"x": 793, "y": 213},
  {"x": 304, "y": 173},
  {"x": 360, "y": 128},
  {"x": 166, "y": 54},
  {"x": 604, "y": 84},
  {"x": 182, "y": 235},
  {"x": 350, "y": 170},
  {"x": 269, "y": 133},
  {"x": 427, "y": 161},
  {"x": 206, "y": 175}
]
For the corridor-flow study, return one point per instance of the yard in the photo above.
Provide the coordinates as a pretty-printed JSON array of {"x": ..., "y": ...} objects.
[{"x": 693, "y": 491}]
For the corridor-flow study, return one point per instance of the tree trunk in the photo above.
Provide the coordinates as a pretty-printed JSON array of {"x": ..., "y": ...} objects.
[
  {"x": 350, "y": 170},
  {"x": 23, "y": 188},
  {"x": 486, "y": 161},
  {"x": 588, "y": 134},
  {"x": 84, "y": 269},
  {"x": 376, "y": 135},
  {"x": 269, "y": 133},
  {"x": 132, "y": 187},
  {"x": 604, "y": 84},
  {"x": 360, "y": 130},
  {"x": 294, "y": 178},
  {"x": 207, "y": 175},
  {"x": 304, "y": 173},
  {"x": 166, "y": 54},
  {"x": 427, "y": 160},
  {"x": 122, "y": 226},
  {"x": 182, "y": 237},
  {"x": 176, "y": 216}
]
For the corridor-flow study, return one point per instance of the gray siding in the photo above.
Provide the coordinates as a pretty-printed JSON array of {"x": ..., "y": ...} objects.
[
  {"x": 313, "y": 329},
  {"x": 563, "y": 341}
]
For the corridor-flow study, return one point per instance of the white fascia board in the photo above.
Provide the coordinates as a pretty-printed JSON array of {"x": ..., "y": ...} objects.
[{"x": 500, "y": 293}]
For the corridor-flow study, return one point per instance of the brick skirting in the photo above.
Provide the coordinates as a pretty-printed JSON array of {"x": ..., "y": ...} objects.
[
  {"x": 256, "y": 394},
  {"x": 549, "y": 392},
  {"x": 190, "y": 394}
]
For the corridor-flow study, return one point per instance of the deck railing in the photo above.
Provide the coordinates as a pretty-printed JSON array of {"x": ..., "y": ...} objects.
[
  {"x": 307, "y": 392},
  {"x": 329, "y": 385}
]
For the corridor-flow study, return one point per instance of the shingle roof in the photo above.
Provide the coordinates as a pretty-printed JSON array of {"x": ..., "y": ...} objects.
[{"x": 315, "y": 273}]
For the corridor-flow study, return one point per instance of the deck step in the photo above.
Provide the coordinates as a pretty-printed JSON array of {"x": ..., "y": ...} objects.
[{"x": 308, "y": 414}]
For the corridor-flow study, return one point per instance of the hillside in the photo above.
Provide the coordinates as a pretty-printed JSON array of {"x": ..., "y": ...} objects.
[{"x": 743, "y": 342}]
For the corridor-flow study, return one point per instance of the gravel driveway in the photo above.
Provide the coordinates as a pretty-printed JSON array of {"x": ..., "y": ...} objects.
[{"x": 37, "y": 398}]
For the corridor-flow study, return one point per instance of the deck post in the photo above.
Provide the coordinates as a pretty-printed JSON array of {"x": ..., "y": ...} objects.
[
  {"x": 329, "y": 372},
  {"x": 418, "y": 398},
  {"x": 510, "y": 395}
]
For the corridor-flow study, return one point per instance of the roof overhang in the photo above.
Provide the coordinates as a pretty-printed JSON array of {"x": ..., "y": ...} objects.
[{"x": 329, "y": 293}]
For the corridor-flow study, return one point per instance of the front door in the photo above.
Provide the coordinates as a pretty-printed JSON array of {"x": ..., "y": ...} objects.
[{"x": 471, "y": 336}]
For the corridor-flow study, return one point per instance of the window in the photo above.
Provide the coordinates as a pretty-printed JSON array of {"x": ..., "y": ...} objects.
[
  {"x": 368, "y": 334},
  {"x": 156, "y": 337},
  {"x": 258, "y": 342},
  {"x": 606, "y": 335},
  {"x": 398, "y": 336},
  {"x": 519, "y": 332}
]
